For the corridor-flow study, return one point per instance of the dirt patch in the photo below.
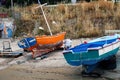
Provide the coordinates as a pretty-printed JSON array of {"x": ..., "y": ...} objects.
[{"x": 41, "y": 73}]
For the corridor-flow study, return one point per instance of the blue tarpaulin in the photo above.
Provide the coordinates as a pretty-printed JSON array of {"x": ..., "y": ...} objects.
[{"x": 9, "y": 32}]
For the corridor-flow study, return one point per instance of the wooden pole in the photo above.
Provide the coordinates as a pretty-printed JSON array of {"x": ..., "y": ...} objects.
[
  {"x": 12, "y": 7},
  {"x": 45, "y": 18}
]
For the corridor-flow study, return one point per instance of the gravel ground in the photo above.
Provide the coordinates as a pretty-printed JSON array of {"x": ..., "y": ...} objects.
[{"x": 53, "y": 67}]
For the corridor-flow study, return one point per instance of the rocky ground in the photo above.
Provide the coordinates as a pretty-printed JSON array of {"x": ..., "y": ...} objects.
[{"x": 53, "y": 67}]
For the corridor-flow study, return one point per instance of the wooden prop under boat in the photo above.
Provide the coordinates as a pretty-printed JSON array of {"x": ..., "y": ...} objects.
[{"x": 42, "y": 44}]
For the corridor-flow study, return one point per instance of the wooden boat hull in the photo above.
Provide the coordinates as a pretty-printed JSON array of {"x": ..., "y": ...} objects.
[
  {"x": 44, "y": 49},
  {"x": 32, "y": 42},
  {"x": 92, "y": 56},
  {"x": 43, "y": 40},
  {"x": 46, "y": 43},
  {"x": 27, "y": 43}
]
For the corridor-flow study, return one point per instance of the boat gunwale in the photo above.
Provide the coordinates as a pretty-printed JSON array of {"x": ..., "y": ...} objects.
[
  {"x": 104, "y": 46},
  {"x": 91, "y": 49}
]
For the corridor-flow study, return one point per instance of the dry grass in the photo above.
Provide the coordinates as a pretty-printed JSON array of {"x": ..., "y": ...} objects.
[
  {"x": 106, "y": 5},
  {"x": 88, "y": 6},
  {"x": 80, "y": 20}
]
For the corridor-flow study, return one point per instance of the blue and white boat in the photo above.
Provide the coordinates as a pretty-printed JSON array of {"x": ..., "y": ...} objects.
[{"x": 93, "y": 52}]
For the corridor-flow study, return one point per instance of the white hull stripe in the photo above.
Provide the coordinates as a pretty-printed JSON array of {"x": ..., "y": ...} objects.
[{"x": 109, "y": 48}]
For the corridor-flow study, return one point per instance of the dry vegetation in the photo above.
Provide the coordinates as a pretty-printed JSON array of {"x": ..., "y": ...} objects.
[{"x": 80, "y": 20}]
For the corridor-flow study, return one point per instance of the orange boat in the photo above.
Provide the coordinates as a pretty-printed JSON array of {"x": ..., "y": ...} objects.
[
  {"x": 50, "y": 39},
  {"x": 40, "y": 45}
]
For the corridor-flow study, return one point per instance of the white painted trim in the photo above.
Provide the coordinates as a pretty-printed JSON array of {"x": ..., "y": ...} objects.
[
  {"x": 109, "y": 48},
  {"x": 95, "y": 48}
]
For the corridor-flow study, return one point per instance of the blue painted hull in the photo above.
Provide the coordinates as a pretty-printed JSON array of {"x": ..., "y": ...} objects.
[{"x": 27, "y": 42}]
